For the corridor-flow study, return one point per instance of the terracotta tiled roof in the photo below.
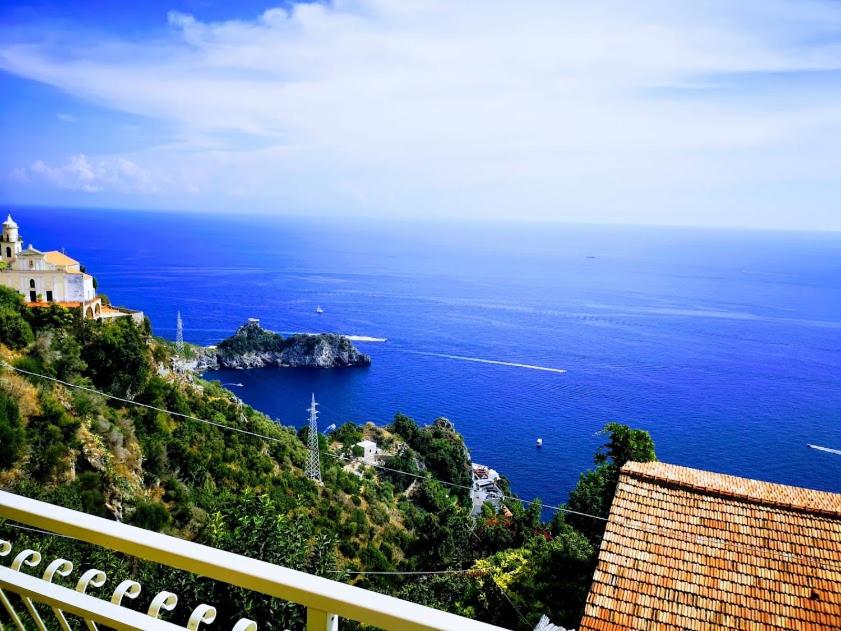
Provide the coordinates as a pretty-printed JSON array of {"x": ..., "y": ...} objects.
[{"x": 690, "y": 549}]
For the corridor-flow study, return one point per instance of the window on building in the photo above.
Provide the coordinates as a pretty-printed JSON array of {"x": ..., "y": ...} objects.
[
  {"x": 8, "y": 253},
  {"x": 49, "y": 296},
  {"x": 32, "y": 283},
  {"x": 31, "y": 263}
]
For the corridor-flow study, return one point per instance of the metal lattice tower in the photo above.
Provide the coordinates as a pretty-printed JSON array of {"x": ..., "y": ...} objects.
[
  {"x": 179, "y": 335},
  {"x": 313, "y": 459}
]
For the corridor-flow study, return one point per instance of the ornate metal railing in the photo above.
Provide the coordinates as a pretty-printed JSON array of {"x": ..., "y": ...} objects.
[{"x": 325, "y": 600}]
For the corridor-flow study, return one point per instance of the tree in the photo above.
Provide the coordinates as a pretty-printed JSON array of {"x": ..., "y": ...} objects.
[
  {"x": 67, "y": 361},
  {"x": 440, "y": 448},
  {"x": 442, "y": 528},
  {"x": 560, "y": 579},
  {"x": 348, "y": 434},
  {"x": 117, "y": 356},
  {"x": 594, "y": 492},
  {"x": 51, "y": 317},
  {"x": 625, "y": 444},
  {"x": 405, "y": 427}
]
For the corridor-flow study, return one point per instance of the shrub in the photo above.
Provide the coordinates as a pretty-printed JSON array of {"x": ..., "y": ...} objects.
[
  {"x": 11, "y": 432},
  {"x": 151, "y": 516},
  {"x": 90, "y": 493},
  {"x": 10, "y": 299},
  {"x": 15, "y": 332}
]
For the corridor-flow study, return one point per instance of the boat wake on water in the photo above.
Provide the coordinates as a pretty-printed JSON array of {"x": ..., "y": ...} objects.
[
  {"x": 480, "y": 360},
  {"x": 352, "y": 338},
  {"x": 829, "y": 450}
]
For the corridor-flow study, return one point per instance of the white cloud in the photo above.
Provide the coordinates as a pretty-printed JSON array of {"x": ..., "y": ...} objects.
[
  {"x": 541, "y": 108},
  {"x": 66, "y": 118},
  {"x": 112, "y": 174}
]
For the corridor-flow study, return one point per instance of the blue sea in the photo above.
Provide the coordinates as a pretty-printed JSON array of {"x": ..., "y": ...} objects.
[{"x": 725, "y": 345}]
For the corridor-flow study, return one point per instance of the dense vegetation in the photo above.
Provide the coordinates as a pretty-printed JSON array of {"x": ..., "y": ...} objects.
[
  {"x": 252, "y": 346},
  {"x": 249, "y": 495},
  {"x": 252, "y": 338}
]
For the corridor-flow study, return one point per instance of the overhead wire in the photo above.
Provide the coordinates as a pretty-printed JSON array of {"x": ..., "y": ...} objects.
[
  {"x": 138, "y": 403},
  {"x": 634, "y": 525},
  {"x": 257, "y": 434}
]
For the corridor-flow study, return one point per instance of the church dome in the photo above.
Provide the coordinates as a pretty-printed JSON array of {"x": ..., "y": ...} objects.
[{"x": 9, "y": 223}]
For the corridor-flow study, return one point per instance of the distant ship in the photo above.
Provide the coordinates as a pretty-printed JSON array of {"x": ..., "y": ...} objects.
[{"x": 318, "y": 309}]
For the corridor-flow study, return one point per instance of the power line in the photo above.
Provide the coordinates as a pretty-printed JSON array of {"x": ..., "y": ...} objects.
[
  {"x": 38, "y": 530},
  {"x": 469, "y": 488},
  {"x": 634, "y": 525},
  {"x": 411, "y": 573},
  {"x": 263, "y": 436},
  {"x": 510, "y": 602},
  {"x": 138, "y": 403}
]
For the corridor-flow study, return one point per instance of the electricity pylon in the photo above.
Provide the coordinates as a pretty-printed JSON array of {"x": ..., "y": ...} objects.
[
  {"x": 313, "y": 459},
  {"x": 179, "y": 335}
]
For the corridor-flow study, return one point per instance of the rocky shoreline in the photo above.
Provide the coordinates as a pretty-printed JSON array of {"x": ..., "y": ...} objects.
[{"x": 252, "y": 346}]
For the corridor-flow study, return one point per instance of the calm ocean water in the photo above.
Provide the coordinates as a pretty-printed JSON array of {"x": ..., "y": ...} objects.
[{"x": 725, "y": 345}]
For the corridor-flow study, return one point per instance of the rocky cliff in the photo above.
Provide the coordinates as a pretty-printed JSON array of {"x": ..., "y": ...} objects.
[{"x": 252, "y": 346}]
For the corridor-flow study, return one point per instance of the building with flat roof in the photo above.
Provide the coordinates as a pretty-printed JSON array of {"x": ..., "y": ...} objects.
[
  {"x": 484, "y": 488},
  {"x": 690, "y": 549},
  {"x": 369, "y": 451}
]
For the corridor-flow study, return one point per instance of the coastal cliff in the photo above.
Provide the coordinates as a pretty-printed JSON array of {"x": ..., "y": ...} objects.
[
  {"x": 252, "y": 346},
  {"x": 218, "y": 472}
]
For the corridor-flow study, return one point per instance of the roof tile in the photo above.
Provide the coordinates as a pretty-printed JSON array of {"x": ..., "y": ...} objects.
[{"x": 691, "y": 549}]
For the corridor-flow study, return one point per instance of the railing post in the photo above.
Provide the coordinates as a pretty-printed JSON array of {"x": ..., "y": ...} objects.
[{"x": 321, "y": 620}]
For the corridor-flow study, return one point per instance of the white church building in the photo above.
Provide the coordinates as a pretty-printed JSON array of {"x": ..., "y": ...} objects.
[{"x": 44, "y": 278}]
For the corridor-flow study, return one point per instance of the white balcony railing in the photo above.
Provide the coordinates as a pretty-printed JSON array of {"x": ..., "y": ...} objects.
[{"x": 326, "y": 601}]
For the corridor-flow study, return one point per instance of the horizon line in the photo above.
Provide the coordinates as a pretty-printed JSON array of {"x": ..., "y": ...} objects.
[{"x": 6, "y": 206}]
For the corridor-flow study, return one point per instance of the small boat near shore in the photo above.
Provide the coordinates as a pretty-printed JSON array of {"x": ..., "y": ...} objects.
[{"x": 319, "y": 310}]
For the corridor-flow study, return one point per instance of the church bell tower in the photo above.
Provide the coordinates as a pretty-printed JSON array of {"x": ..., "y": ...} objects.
[{"x": 10, "y": 242}]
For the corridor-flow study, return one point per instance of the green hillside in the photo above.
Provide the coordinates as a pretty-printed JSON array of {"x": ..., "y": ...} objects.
[{"x": 248, "y": 494}]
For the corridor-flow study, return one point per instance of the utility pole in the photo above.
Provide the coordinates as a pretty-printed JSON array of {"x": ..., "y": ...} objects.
[
  {"x": 179, "y": 335},
  {"x": 313, "y": 459}
]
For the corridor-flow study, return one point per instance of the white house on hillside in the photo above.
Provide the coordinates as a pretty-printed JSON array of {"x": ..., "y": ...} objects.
[{"x": 369, "y": 451}]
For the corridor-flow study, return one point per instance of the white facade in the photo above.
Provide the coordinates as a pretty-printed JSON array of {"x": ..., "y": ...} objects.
[
  {"x": 43, "y": 277},
  {"x": 46, "y": 277},
  {"x": 484, "y": 488},
  {"x": 369, "y": 451}
]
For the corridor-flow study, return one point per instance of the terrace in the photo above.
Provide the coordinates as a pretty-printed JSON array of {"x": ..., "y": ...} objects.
[{"x": 39, "y": 600}]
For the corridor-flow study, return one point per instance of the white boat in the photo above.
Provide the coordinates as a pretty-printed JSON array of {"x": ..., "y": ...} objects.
[
  {"x": 318, "y": 309},
  {"x": 540, "y": 442}
]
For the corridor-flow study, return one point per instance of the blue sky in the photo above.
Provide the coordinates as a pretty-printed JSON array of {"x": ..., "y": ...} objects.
[{"x": 705, "y": 113}]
